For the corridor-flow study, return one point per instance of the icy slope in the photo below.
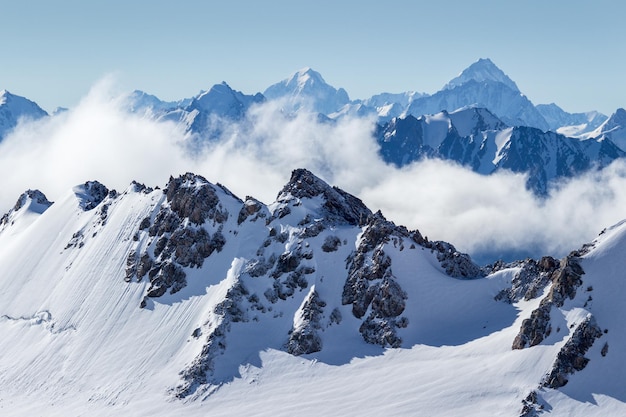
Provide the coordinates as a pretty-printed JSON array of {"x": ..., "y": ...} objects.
[{"x": 189, "y": 300}]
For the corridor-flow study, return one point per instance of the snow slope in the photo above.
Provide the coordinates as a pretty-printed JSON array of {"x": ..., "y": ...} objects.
[{"x": 281, "y": 309}]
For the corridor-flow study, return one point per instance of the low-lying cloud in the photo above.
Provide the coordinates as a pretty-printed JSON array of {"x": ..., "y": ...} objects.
[{"x": 487, "y": 216}]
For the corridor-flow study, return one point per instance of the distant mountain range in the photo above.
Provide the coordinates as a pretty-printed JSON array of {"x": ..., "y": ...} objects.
[{"x": 479, "y": 119}]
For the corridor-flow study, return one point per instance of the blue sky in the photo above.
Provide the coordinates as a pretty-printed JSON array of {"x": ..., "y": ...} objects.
[{"x": 571, "y": 53}]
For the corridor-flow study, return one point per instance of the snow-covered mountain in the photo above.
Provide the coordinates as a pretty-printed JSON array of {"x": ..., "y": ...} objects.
[
  {"x": 204, "y": 114},
  {"x": 15, "y": 108},
  {"x": 188, "y": 300},
  {"x": 307, "y": 89},
  {"x": 614, "y": 128},
  {"x": 480, "y": 141},
  {"x": 482, "y": 84},
  {"x": 481, "y": 71},
  {"x": 570, "y": 124}
]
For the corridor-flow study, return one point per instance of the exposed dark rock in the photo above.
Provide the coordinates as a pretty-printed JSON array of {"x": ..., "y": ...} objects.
[
  {"x": 91, "y": 194},
  {"x": 131, "y": 266},
  {"x": 193, "y": 197},
  {"x": 565, "y": 280},
  {"x": 371, "y": 285},
  {"x": 389, "y": 299},
  {"x": 605, "y": 349},
  {"x": 380, "y": 332},
  {"x": 199, "y": 372},
  {"x": 140, "y": 188},
  {"x": 165, "y": 221},
  {"x": 287, "y": 262},
  {"x": 571, "y": 357},
  {"x": 259, "y": 266},
  {"x": 532, "y": 278},
  {"x": 164, "y": 276},
  {"x": 331, "y": 244},
  {"x": 251, "y": 208},
  {"x": 77, "y": 240},
  {"x": 145, "y": 223},
  {"x": 144, "y": 265},
  {"x": 531, "y": 405},
  {"x": 305, "y": 339},
  {"x": 455, "y": 263},
  {"x": 338, "y": 206},
  {"x": 36, "y": 196},
  {"x": 534, "y": 329}
]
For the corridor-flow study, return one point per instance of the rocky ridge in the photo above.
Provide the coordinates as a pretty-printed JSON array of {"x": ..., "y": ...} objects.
[{"x": 308, "y": 226}]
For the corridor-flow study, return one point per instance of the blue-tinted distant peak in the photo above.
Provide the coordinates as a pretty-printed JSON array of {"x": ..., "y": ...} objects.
[{"x": 483, "y": 70}]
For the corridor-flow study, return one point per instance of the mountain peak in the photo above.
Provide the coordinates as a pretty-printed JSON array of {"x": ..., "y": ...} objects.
[
  {"x": 307, "y": 88},
  {"x": 305, "y": 76},
  {"x": 483, "y": 70},
  {"x": 337, "y": 205}
]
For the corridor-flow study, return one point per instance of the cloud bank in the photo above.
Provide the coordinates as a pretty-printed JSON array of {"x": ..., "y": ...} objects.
[{"x": 486, "y": 216}]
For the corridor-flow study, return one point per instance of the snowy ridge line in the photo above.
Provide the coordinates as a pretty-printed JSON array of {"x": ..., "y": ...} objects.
[{"x": 311, "y": 298}]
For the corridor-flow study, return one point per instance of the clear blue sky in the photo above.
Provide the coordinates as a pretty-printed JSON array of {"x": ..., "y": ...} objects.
[{"x": 569, "y": 52}]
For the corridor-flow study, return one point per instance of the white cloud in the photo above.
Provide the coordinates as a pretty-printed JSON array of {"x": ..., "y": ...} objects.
[{"x": 478, "y": 214}]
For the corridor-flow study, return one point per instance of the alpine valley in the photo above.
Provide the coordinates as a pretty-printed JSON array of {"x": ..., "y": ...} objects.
[{"x": 185, "y": 299}]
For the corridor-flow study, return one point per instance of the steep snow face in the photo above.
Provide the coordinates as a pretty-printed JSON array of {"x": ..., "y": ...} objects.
[
  {"x": 158, "y": 302},
  {"x": 482, "y": 84},
  {"x": 507, "y": 104},
  {"x": 307, "y": 89},
  {"x": 483, "y": 70},
  {"x": 14, "y": 108},
  {"x": 614, "y": 128},
  {"x": 474, "y": 120},
  {"x": 570, "y": 124}
]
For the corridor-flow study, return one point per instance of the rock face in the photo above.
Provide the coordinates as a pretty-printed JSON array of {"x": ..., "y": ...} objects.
[
  {"x": 305, "y": 336},
  {"x": 338, "y": 205},
  {"x": 571, "y": 357},
  {"x": 176, "y": 236},
  {"x": 565, "y": 282},
  {"x": 532, "y": 278}
]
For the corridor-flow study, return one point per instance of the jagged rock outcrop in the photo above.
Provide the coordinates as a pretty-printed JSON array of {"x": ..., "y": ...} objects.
[
  {"x": 565, "y": 281},
  {"x": 338, "y": 207},
  {"x": 531, "y": 405},
  {"x": 36, "y": 201},
  {"x": 531, "y": 279},
  {"x": 230, "y": 310},
  {"x": 252, "y": 209},
  {"x": 372, "y": 287},
  {"x": 179, "y": 237},
  {"x": 571, "y": 357},
  {"x": 91, "y": 193},
  {"x": 304, "y": 337}
]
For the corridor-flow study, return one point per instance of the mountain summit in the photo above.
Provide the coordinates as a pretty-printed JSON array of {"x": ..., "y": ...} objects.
[
  {"x": 307, "y": 88},
  {"x": 13, "y": 108},
  {"x": 482, "y": 70}
]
